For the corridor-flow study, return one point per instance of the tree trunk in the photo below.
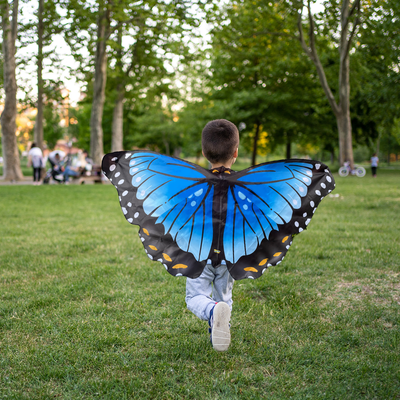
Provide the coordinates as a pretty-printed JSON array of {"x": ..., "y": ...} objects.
[
  {"x": 38, "y": 136},
  {"x": 288, "y": 149},
  {"x": 118, "y": 120},
  {"x": 343, "y": 117},
  {"x": 100, "y": 77},
  {"x": 254, "y": 155},
  {"x": 12, "y": 169}
]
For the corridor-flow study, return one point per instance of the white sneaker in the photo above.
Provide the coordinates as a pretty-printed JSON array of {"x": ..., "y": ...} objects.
[{"x": 219, "y": 327}]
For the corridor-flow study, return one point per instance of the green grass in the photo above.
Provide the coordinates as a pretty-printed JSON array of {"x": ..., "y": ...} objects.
[{"x": 84, "y": 314}]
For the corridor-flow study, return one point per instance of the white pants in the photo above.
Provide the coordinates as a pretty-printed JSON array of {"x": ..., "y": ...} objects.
[{"x": 212, "y": 286}]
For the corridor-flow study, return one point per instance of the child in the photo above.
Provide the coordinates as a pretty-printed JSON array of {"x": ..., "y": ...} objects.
[
  {"x": 216, "y": 226},
  {"x": 209, "y": 296}
]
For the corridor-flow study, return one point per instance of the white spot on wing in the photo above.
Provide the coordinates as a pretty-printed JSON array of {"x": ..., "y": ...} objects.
[
  {"x": 124, "y": 193},
  {"x": 241, "y": 195},
  {"x": 311, "y": 203},
  {"x": 124, "y": 210},
  {"x": 317, "y": 166},
  {"x": 136, "y": 214},
  {"x": 296, "y": 224},
  {"x": 127, "y": 155},
  {"x": 199, "y": 193},
  {"x": 117, "y": 174},
  {"x": 112, "y": 167}
]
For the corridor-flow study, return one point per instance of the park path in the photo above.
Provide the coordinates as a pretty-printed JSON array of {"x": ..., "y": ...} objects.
[{"x": 27, "y": 180}]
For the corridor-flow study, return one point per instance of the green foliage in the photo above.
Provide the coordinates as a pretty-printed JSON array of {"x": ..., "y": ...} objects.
[
  {"x": 85, "y": 314},
  {"x": 52, "y": 131},
  {"x": 262, "y": 77}
]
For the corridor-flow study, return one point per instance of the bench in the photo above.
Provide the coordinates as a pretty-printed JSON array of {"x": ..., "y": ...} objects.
[{"x": 93, "y": 176}]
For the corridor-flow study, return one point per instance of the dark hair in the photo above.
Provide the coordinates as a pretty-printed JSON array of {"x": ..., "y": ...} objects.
[
  {"x": 33, "y": 145},
  {"x": 219, "y": 140}
]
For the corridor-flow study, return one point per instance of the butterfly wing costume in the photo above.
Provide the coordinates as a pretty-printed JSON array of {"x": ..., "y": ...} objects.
[{"x": 190, "y": 216}]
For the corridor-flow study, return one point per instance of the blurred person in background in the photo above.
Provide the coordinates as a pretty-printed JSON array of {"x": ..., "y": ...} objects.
[{"x": 36, "y": 161}]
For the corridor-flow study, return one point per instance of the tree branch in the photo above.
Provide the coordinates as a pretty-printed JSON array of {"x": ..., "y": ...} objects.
[
  {"x": 313, "y": 55},
  {"x": 356, "y": 24},
  {"x": 301, "y": 35},
  {"x": 355, "y": 5}
]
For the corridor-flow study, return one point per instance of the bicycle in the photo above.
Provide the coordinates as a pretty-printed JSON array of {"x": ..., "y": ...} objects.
[{"x": 346, "y": 170}]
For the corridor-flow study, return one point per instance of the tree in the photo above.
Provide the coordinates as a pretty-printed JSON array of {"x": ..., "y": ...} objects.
[
  {"x": 12, "y": 169},
  {"x": 156, "y": 36},
  {"x": 47, "y": 26},
  {"x": 350, "y": 19},
  {"x": 263, "y": 79}
]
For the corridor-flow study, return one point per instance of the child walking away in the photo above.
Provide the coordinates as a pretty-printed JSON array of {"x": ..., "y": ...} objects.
[
  {"x": 374, "y": 164},
  {"x": 216, "y": 226}
]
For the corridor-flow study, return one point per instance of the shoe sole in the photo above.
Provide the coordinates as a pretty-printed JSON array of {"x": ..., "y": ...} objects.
[{"x": 221, "y": 335}]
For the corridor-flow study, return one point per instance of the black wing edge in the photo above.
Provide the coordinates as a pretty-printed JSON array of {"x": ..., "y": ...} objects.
[{"x": 106, "y": 162}]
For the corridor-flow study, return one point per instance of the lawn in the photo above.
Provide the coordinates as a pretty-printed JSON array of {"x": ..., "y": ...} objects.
[{"x": 85, "y": 314}]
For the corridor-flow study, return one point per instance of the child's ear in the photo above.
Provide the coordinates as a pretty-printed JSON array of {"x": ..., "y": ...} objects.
[{"x": 235, "y": 154}]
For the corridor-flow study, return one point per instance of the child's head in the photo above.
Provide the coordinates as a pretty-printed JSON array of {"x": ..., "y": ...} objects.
[{"x": 220, "y": 140}]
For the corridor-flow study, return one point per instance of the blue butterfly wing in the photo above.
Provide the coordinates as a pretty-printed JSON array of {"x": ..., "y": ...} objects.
[
  {"x": 171, "y": 200},
  {"x": 267, "y": 205}
]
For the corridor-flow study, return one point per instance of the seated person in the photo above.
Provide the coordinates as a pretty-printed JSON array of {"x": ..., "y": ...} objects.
[{"x": 83, "y": 163}]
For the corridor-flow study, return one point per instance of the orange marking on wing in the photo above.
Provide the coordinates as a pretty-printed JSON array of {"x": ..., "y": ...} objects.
[
  {"x": 227, "y": 172},
  {"x": 178, "y": 266},
  {"x": 263, "y": 262},
  {"x": 214, "y": 171},
  {"x": 285, "y": 238},
  {"x": 251, "y": 269},
  {"x": 166, "y": 256},
  {"x": 153, "y": 247},
  {"x": 277, "y": 254},
  {"x": 146, "y": 231}
]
